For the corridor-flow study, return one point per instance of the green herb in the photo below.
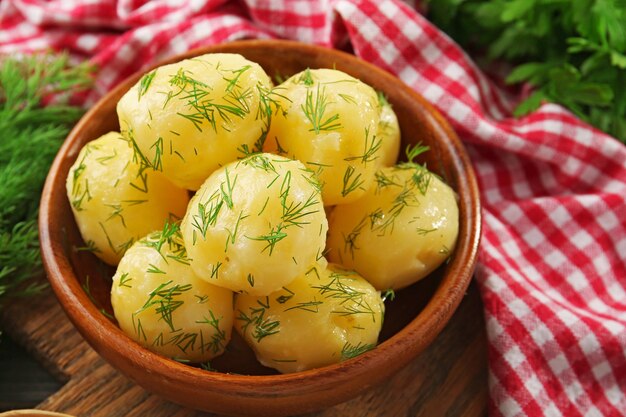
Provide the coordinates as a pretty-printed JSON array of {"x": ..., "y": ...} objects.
[
  {"x": 184, "y": 341},
  {"x": 351, "y": 181},
  {"x": 314, "y": 109},
  {"x": 124, "y": 281},
  {"x": 274, "y": 236},
  {"x": 352, "y": 301},
  {"x": 202, "y": 107},
  {"x": 306, "y": 78},
  {"x": 207, "y": 215},
  {"x": 282, "y": 299},
  {"x": 350, "y": 351},
  {"x": 572, "y": 52},
  {"x": 217, "y": 342},
  {"x": 389, "y": 294},
  {"x": 370, "y": 148},
  {"x": 164, "y": 300},
  {"x": 201, "y": 298},
  {"x": 350, "y": 240},
  {"x": 31, "y": 135},
  {"x": 144, "y": 84},
  {"x": 310, "y": 306},
  {"x": 261, "y": 326},
  {"x": 232, "y": 82},
  {"x": 232, "y": 234}
]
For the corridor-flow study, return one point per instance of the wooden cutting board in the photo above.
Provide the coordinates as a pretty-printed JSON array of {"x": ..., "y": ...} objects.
[{"x": 448, "y": 379}]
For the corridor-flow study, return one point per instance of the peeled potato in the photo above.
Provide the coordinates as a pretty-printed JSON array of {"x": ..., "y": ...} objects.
[
  {"x": 400, "y": 231},
  {"x": 116, "y": 200},
  {"x": 189, "y": 118},
  {"x": 389, "y": 133},
  {"x": 325, "y": 316},
  {"x": 256, "y": 224},
  {"x": 329, "y": 120},
  {"x": 160, "y": 303}
]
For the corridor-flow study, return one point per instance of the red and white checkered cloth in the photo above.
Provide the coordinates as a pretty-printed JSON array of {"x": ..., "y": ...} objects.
[{"x": 552, "y": 269}]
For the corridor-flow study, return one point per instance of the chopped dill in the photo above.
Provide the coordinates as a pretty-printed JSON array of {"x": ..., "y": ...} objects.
[
  {"x": 282, "y": 299},
  {"x": 144, "y": 84},
  {"x": 154, "y": 270},
  {"x": 163, "y": 299},
  {"x": 256, "y": 320},
  {"x": 351, "y": 182},
  {"x": 310, "y": 306},
  {"x": 350, "y": 351},
  {"x": 217, "y": 341},
  {"x": 314, "y": 110},
  {"x": 389, "y": 294},
  {"x": 125, "y": 280},
  {"x": 306, "y": 78},
  {"x": 371, "y": 147}
]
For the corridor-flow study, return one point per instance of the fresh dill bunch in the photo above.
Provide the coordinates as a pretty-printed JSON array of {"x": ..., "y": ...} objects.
[{"x": 35, "y": 117}]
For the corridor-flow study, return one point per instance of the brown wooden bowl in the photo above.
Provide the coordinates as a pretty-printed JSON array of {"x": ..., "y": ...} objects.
[{"x": 241, "y": 386}]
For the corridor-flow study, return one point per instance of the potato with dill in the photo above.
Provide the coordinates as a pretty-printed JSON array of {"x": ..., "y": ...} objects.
[
  {"x": 337, "y": 309},
  {"x": 329, "y": 120},
  {"x": 188, "y": 118},
  {"x": 256, "y": 224},
  {"x": 160, "y": 303},
  {"x": 116, "y": 200},
  {"x": 401, "y": 230}
]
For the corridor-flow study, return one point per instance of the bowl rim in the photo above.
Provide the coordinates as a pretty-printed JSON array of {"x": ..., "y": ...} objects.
[{"x": 103, "y": 335}]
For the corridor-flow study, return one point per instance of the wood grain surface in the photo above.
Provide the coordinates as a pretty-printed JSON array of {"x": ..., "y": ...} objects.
[{"x": 448, "y": 379}]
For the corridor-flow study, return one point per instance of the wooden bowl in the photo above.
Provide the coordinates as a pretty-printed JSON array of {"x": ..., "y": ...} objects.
[{"x": 241, "y": 386}]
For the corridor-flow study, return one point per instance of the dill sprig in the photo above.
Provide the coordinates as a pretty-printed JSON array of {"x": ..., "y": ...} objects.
[
  {"x": 371, "y": 147},
  {"x": 31, "y": 135},
  {"x": 351, "y": 181},
  {"x": 170, "y": 235},
  {"x": 201, "y": 103},
  {"x": 164, "y": 300},
  {"x": 306, "y": 78},
  {"x": 350, "y": 351},
  {"x": 255, "y": 319},
  {"x": 207, "y": 215},
  {"x": 275, "y": 235},
  {"x": 144, "y": 84},
  {"x": 217, "y": 341},
  {"x": 314, "y": 109},
  {"x": 352, "y": 300},
  {"x": 421, "y": 175}
]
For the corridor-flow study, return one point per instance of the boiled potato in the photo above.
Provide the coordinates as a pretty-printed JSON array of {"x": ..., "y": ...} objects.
[
  {"x": 160, "y": 303},
  {"x": 256, "y": 224},
  {"x": 400, "y": 231},
  {"x": 388, "y": 132},
  {"x": 189, "y": 118},
  {"x": 329, "y": 121},
  {"x": 116, "y": 200},
  {"x": 324, "y": 316}
]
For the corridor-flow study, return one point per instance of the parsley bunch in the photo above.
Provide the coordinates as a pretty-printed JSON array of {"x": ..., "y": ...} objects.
[
  {"x": 30, "y": 135},
  {"x": 572, "y": 51}
]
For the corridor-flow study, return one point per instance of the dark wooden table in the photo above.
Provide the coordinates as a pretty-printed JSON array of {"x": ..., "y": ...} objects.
[{"x": 448, "y": 379}]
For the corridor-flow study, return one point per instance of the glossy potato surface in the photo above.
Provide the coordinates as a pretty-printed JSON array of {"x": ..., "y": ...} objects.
[
  {"x": 401, "y": 230},
  {"x": 191, "y": 117},
  {"x": 160, "y": 303},
  {"x": 326, "y": 315},
  {"x": 116, "y": 200},
  {"x": 328, "y": 120},
  {"x": 389, "y": 133},
  {"x": 256, "y": 224}
]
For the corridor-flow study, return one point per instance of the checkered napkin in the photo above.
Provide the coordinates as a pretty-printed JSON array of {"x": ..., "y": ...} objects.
[{"x": 552, "y": 267}]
